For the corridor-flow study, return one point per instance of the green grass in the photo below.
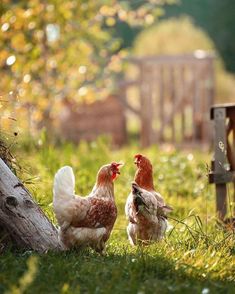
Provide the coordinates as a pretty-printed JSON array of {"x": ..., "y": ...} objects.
[{"x": 197, "y": 256}]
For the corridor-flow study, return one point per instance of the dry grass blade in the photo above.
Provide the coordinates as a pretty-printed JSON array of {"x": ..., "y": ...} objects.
[{"x": 7, "y": 156}]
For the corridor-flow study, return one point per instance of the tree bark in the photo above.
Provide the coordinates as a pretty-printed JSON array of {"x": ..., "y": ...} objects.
[{"x": 22, "y": 221}]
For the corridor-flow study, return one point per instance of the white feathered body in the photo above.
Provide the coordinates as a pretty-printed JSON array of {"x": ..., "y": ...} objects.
[{"x": 83, "y": 221}]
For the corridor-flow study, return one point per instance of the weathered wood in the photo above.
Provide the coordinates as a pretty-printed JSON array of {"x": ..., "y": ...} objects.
[
  {"x": 87, "y": 121},
  {"x": 196, "y": 119},
  {"x": 161, "y": 103},
  {"x": 220, "y": 159},
  {"x": 23, "y": 221},
  {"x": 233, "y": 146},
  {"x": 221, "y": 200},
  {"x": 210, "y": 93},
  {"x": 229, "y": 109},
  {"x": 230, "y": 149},
  {"x": 223, "y": 165},
  {"x": 178, "y": 86},
  {"x": 122, "y": 94},
  {"x": 146, "y": 106},
  {"x": 123, "y": 99},
  {"x": 172, "y": 101},
  {"x": 182, "y": 94},
  {"x": 227, "y": 177},
  {"x": 205, "y": 119},
  {"x": 177, "y": 59}
]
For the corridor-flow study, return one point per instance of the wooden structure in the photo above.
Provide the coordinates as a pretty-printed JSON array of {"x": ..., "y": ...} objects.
[
  {"x": 175, "y": 94},
  {"x": 88, "y": 121},
  {"x": 22, "y": 222},
  {"x": 223, "y": 165}
]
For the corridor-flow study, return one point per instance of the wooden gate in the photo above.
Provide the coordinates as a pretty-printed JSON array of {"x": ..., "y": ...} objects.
[{"x": 176, "y": 93}]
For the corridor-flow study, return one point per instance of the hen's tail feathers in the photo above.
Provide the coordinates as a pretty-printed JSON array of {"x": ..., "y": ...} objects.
[{"x": 64, "y": 184}]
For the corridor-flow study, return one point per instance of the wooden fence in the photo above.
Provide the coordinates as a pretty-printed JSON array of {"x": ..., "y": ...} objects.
[
  {"x": 176, "y": 93},
  {"x": 88, "y": 121}
]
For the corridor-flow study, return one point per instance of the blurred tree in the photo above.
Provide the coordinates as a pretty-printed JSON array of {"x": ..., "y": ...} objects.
[
  {"x": 142, "y": 13},
  {"x": 189, "y": 38},
  {"x": 62, "y": 48},
  {"x": 48, "y": 49},
  {"x": 216, "y": 17}
]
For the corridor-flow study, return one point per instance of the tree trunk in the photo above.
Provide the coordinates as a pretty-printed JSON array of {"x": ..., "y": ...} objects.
[{"x": 22, "y": 221}]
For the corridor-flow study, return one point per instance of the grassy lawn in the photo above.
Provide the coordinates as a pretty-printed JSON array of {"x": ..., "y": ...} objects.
[{"x": 197, "y": 256}]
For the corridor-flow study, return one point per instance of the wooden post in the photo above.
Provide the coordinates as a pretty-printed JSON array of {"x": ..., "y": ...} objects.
[
  {"x": 146, "y": 106},
  {"x": 161, "y": 103},
  {"x": 220, "y": 159},
  {"x": 172, "y": 100},
  {"x": 22, "y": 220},
  {"x": 231, "y": 149},
  {"x": 194, "y": 103},
  {"x": 233, "y": 146},
  {"x": 154, "y": 87},
  {"x": 210, "y": 92},
  {"x": 206, "y": 98},
  {"x": 205, "y": 114},
  {"x": 183, "y": 101}
]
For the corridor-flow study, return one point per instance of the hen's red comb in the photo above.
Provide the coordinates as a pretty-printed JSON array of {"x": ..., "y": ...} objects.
[{"x": 138, "y": 156}]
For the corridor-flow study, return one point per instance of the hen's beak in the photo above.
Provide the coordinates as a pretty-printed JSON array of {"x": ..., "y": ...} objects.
[
  {"x": 116, "y": 167},
  {"x": 119, "y": 165}
]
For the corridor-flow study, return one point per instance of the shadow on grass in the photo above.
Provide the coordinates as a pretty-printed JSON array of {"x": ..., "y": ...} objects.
[{"x": 117, "y": 272}]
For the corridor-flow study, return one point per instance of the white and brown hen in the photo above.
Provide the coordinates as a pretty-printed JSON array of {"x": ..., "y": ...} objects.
[{"x": 85, "y": 221}]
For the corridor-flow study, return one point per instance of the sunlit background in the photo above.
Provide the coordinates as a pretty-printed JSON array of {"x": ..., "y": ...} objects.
[
  {"x": 88, "y": 82},
  {"x": 66, "y": 66}
]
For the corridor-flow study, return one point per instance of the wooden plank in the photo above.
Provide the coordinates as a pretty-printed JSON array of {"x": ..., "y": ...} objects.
[
  {"x": 164, "y": 59},
  {"x": 200, "y": 105},
  {"x": 194, "y": 103},
  {"x": 155, "y": 104},
  {"x": 122, "y": 97},
  {"x": 231, "y": 151},
  {"x": 220, "y": 150},
  {"x": 178, "y": 103},
  {"x": 172, "y": 100},
  {"x": 206, "y": 134},
  {"x": 161, "y": 103},
  {"x": 221, "y": 200},
  {"x": 230, "y": 148},
  {"x": 152, "y": 106},
  {"x": 220, "y": 139},
  {"x": 230, "y": 109},
  {"x": 182, "y": 98},
  {"x": 233, "y": 146},
  {"x": 221, "y": 178},
  {"x": 146, "y": 106},
  {"x": 211, "y": 95}
]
